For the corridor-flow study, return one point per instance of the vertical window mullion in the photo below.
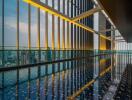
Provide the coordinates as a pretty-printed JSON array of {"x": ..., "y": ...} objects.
[
  {"x": 80, "y": 32},
  {"x": 75, "y": 25},
  {"x": 17, "y": 40},
  {"x": 38, "y": 28},
  {"x": 3, "y": 32},
  {"x": 71, "y": 25},
  {"x": 46, "y": 27},
  {"x": 17, "y": 44},
  {"x": 68, "y": 25},
  {"x": 59, "y": 26},
  {"x": 29, "y": 26},
  {"x": 63, "y": 36},
  {"x": 53, "y": 28}
]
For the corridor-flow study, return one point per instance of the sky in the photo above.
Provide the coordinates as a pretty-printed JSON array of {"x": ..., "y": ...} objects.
[
  {"x": 10, "y": 24},
  {"x": 11, "y": 30}
]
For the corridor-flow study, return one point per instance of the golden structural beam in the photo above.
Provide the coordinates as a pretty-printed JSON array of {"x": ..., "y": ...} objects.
[
  {"x": 81, "y": 90},
  {"x": 87, "y": 13},
  {"x": 42, "y": 6}
]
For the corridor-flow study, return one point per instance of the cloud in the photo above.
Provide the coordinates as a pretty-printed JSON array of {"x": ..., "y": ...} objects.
[{"x": 23, "y": 26}]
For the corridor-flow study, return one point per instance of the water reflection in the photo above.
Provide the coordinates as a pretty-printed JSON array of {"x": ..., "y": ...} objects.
[{"x": 61, "y": 80}]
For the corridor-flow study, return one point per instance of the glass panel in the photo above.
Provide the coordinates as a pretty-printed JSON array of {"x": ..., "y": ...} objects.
[
  {"x": 10, "y": 23},
  {"x": 50, "y": 69},
  {"x": 61, "y": 6},
  {"x": 56, "y": 4},
  {"x": 10, "y": 58},
  {"x": 23, "y": 25},
  {"x": 65, "y": 34},
  {"x": 34, "y": 72},
  {"x": 56, "y": 32},
  {"x": 43, "y": 56},
  {"x": 49, "y": 31},
  {"x": 56, "y": 67},
  {"x": 70, "y": 35},
  {"x": 34, "y": 27},
  {"x": 42, "y": 28},
  {"x": 50, "y": 3},
  {"x": 43, "y": 1},
  {"x": 23, "y": 75},
  {"x": 61, "y": 32},
  {"x": 49, "y": 92},
  {"x": 43, "y": 70},
  {"x": 61, "y": 66},
  {"x": 66, "y": 3},
  {"x": 24, "y": 57}
]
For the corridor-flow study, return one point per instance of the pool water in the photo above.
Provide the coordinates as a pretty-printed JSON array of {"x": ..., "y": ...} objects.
[{"x": 62, "y": 80}]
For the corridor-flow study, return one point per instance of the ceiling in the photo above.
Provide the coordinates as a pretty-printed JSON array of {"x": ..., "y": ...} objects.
[{"x": 120, "y": 12}]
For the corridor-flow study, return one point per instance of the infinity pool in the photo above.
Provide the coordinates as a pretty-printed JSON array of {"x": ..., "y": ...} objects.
[{"x": 60, "y": 81}]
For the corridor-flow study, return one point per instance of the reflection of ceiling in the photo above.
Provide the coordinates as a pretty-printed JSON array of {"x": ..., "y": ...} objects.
[{"x": 120, "y": 11}]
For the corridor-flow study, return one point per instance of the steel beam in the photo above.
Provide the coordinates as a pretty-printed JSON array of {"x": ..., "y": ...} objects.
[{"x": 86, "y": 14}]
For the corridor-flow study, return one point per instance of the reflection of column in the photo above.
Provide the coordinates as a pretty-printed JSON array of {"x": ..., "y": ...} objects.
[
  {"x": 46, "y": 87},
  {"x": 72, "y": 77},
  {"x": 68, "y": 80},
  {"x": 75, "y": 77},
  {"x": 58, "y": 86},
  {"x": 17, "y": 86},
  {"x": 53, "y": 81},
  {"x": 2, "y": 94},
  {"x": 95, "y": 74},
  {"x": 29, "y": 73},
  {"x": 63, "y": 85},
  {"x": 77, "y": 74},
  {"x": 38, "y": 83}
]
